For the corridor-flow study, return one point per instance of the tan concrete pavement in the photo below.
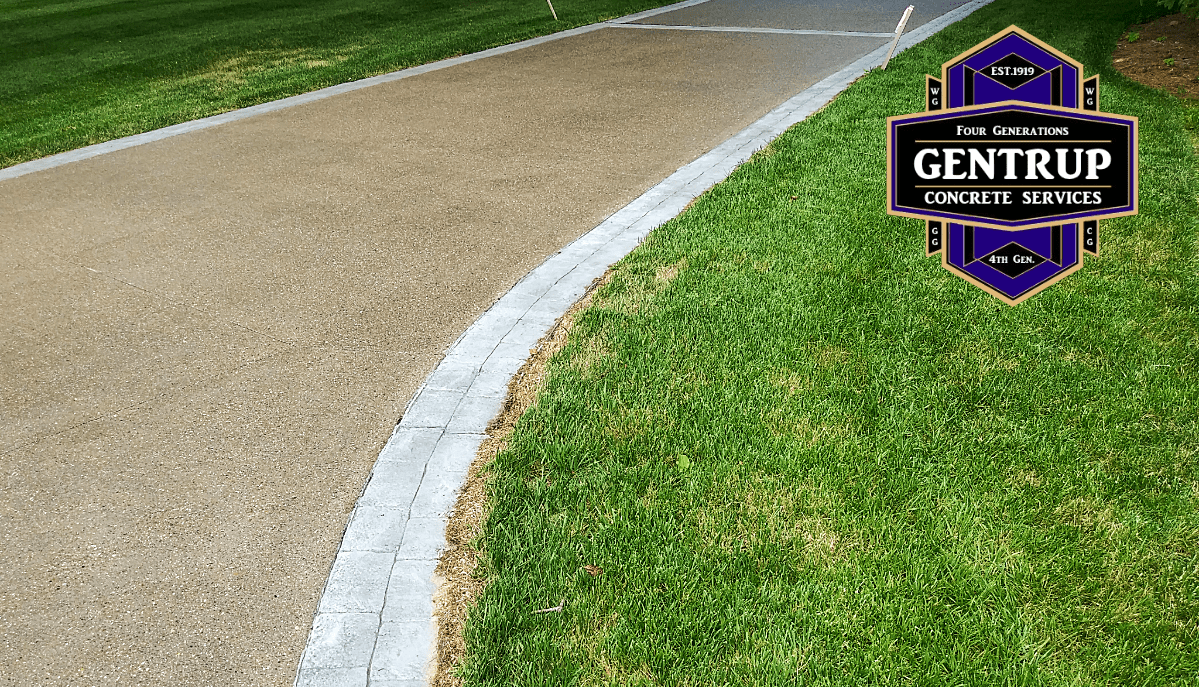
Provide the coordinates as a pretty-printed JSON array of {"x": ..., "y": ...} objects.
[
  {"x": 826, "y": 15},
  {"x": 205, "y": 341}
]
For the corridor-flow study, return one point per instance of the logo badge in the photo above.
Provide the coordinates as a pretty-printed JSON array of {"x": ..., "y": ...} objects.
[{"x": 1012, "y": 165}]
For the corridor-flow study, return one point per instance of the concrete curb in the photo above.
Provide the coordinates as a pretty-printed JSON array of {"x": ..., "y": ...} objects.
[{"x": 374, "y": 625}]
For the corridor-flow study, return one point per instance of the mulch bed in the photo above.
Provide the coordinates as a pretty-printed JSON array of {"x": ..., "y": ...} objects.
[{"x": 1164, "y": 54}]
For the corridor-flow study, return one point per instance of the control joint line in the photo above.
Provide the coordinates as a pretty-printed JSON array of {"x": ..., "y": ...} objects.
[{"x": 751, "y": 29}]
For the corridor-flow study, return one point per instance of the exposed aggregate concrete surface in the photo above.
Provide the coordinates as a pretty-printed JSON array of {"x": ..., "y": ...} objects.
[{"x": 206, "y": 340}]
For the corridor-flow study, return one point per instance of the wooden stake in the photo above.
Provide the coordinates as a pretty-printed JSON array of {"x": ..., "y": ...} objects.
[{"x": 903, "y": 21}]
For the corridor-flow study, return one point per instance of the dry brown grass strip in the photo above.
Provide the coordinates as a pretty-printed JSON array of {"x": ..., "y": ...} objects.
[{"x": 457, "y": 584}]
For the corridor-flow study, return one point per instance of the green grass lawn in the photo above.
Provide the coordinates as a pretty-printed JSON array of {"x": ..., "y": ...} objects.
[
  {"x": 890, "y": 477},
  {"x": 78, "y": 72}
]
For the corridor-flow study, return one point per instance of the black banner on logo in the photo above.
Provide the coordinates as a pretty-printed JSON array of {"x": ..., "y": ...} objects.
[
  {"x": 1090, "y": 237},
  {"x": 1013, "y": 165},
  {"x": 1090, "y": 94},
  {"x": 933, "y": 94},
  {"x": 936, "y": 238}
]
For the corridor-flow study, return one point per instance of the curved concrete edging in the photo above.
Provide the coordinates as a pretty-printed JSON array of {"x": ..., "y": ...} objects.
[{"x": 374, "y": 625}]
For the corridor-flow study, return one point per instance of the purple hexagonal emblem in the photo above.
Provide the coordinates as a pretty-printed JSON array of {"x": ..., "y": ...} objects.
[{"x": 1012, "y": 165}]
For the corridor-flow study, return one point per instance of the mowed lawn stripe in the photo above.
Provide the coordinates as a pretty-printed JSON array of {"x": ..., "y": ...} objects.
[
  {"x": 803, "y": 453},
  {"x": 81, "y": 72}
]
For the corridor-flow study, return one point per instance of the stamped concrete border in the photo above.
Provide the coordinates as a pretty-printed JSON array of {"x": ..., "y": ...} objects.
[{"x": 374, "y": 625}]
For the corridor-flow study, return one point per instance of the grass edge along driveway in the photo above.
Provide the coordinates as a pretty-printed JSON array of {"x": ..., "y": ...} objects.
[{"x": 803, "y": 453}]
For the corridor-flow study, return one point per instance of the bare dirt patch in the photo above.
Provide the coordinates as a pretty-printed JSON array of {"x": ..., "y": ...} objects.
[
  {"x": 1163, "y": 53},
  {"x": 458, "y": 585}
]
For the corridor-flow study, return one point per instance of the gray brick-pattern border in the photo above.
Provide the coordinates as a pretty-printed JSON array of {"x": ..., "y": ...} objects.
[{"x": 375, "y": 625}]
